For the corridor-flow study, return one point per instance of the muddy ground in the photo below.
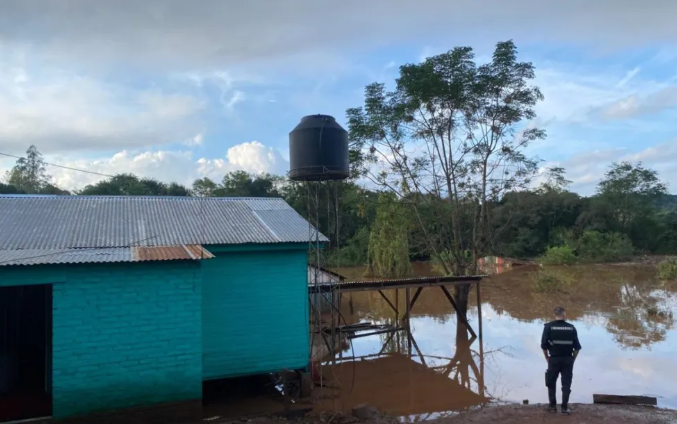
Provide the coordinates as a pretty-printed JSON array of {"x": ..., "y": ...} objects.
[
  {"x": 581, "y": 414},
  {"x": 509, "y": 414}
]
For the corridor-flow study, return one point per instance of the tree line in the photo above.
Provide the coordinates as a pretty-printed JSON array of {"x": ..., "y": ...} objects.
[
  {"x": 451, "y": 180},
  {"x": 631, "y": 209}
]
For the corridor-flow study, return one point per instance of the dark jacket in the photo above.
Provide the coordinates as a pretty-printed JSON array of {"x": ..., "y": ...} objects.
[{"x": 560, "y": 339}]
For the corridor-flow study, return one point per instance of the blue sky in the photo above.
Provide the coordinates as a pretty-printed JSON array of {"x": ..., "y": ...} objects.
[{"x": 176, "y": 91}]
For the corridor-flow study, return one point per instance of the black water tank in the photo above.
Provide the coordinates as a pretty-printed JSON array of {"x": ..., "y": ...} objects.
[{"x": 318, "y": 150}]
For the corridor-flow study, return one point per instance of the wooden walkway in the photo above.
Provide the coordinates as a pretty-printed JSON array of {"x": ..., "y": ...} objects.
[
  {"x": 333, "y": 288},
  {"x": 347, "y": 286}
]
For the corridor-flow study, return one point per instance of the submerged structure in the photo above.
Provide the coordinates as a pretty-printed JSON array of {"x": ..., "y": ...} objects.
[{"x": 133, "y": 302}]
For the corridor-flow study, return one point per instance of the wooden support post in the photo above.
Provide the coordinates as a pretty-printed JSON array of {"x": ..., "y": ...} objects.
[
  {"x": 397, "y": 305},
  {"x": 479, "y": 317},
  {"x": 387, "y": 301},
  {"x": 460, "y": 315},
  {"x": 350, "y": 304},
  {"x": 388, "y": 340},
  {"x": 479, "y": 311},
  {"x": 408, "y": 297},
  {"x": 420, "y": 354},
  {"x": 413, "y": 301},
  {"x": 408, "y": 314}
]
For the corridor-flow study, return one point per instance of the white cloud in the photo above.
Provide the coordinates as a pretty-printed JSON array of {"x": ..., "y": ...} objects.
[
  {"x": 586, "y": 169},
  {"x": 167, "y": 166},
  {"x": 61, "y": 111},
  {"x": 635, "y": 105},
  {"x": 630, "y": 75},
  {"x": 255, "y": 157},
  {"x": 161, "y": 32},
  {"x": 236, "y": 97},
  {"x": 578, "y": 94},
  {"x": 197, "y": 140}
]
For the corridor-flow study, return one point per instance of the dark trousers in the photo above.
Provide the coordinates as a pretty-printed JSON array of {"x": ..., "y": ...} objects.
[{"x": 557, "y": 366}]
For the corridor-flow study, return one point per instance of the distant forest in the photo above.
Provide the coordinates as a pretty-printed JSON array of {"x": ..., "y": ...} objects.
[{"x": 631, "y": 202}]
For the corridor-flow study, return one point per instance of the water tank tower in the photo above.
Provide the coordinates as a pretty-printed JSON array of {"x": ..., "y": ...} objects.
[{"x": 318, "y": 150}]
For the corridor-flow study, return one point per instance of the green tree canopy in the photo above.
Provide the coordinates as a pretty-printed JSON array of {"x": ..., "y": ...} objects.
[
  {"x": 239, "y": 184},
  {"x": 29, "y": 174},
  {"x": 131, "y": 185},
  {"x": 388, "y": 254}
]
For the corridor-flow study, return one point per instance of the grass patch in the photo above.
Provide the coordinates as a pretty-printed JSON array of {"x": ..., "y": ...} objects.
[
  {"x": 667, "y": 270},
  {"x": 548, "y": 282}
]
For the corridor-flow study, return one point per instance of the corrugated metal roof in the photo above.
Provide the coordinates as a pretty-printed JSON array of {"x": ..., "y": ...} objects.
[
  {"x": 67, "y": 222},
  {"x": 108, "y": 255}
]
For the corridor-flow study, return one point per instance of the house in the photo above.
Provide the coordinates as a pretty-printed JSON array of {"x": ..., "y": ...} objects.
[{"x": 133, "y": 302}]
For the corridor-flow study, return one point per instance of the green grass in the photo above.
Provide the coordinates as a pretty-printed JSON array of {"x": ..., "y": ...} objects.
[
  {"x": 667, "y": 270},
  {"x": 548, "y": 282}
]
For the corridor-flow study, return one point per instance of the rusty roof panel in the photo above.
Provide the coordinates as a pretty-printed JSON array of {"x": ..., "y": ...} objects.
[
  {"x": 168, "y": 253},
  {"x": 108, "y": 255}
]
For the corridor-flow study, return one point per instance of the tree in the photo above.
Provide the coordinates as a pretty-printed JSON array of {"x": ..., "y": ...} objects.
[
  {"x": 29, "y": 174},
  {"x": 631, "y": 191},
  {"x": 244, "y": 184},
  {"x": 131, "y": 185},
  {"x": 454, "y": 132},
  {"x": 555, "y": 180},
  {"x": 9, "y": 189},
  {"x": 388, "y": 254},
  {"x": 356, "y": 210},
  {"x": 205, "y": 187},
  {"x": 239, "y": 184}
]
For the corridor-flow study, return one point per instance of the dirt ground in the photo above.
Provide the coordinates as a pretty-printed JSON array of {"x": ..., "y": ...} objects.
[
  {"x": 509, "y": 414},
  {"x": 580, "y": 414}
]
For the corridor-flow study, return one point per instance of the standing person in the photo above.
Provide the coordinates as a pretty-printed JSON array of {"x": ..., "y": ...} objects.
[{"x": 560, "y": 346}]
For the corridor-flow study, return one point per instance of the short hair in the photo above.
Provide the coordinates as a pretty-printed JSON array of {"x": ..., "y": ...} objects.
[{"x": 559, "y": 311}]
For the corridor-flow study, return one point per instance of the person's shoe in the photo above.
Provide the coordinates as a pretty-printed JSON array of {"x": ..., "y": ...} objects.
[
  {"x": 551, "y": 409},
  {"x": 565, "y": 410}
]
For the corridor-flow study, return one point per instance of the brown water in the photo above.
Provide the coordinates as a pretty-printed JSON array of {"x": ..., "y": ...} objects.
[{"x": 623, "y": 315}]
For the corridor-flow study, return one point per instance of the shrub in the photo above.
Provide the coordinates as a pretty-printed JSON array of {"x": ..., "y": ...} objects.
[
  {"x": 559, "y": 255},
  {"x": 547, "y": 282},
  {"x": 667, "y": 270},
  {"x": 593, "y": 246}
]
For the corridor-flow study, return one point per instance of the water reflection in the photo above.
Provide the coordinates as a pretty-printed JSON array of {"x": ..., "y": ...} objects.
[
  {"x": 402, "y": 380},
  {"x": 624, "y": 316},
  {"x": 629, "y": 302}
]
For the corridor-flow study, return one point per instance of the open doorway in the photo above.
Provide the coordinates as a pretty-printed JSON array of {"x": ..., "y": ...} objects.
[{"x": 25, "y": 352}]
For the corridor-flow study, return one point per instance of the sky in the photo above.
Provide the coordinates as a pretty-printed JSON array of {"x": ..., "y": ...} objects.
[{"x": 178, "y": 90}]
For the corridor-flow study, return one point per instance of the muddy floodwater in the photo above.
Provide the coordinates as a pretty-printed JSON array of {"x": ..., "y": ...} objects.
[{"x": 625, "y": 321}]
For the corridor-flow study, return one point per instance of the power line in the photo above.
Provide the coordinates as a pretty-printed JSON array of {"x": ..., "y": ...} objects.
[{"x": 61, "y": 166}]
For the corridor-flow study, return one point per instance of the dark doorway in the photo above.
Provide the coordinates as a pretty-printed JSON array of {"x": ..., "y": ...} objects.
[{"x": 25, "y": 352}]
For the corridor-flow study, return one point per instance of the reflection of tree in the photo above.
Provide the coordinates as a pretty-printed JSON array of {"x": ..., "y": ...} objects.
[
  {"x": 463, "y": 368},
  {"x": 630, "y": 298},
  {"x": 640, "y": 320},
  {"x": 395, "y": 342}
]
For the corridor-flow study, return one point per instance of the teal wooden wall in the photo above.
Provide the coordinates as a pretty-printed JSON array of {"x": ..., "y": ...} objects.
[
  {"x": 123, "y": 334},
  {"x": 254, "y": 310}
]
